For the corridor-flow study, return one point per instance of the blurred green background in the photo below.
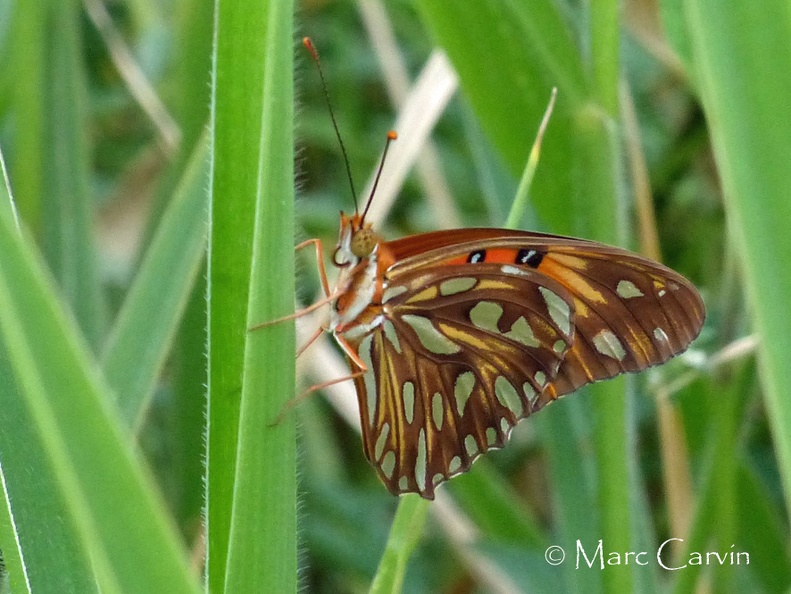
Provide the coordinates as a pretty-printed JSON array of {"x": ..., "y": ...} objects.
[{"x": 671, "y": 136}]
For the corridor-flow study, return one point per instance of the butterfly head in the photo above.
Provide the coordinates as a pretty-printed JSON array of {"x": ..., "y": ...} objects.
[{"x": 356, "y": 241}]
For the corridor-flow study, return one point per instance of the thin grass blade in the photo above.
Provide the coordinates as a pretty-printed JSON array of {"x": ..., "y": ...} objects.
[
  {"x": 151, "y": 312},
  {"x": 404, "y": 535}
]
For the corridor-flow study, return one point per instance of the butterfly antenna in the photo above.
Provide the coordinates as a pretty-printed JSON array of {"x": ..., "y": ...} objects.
[
  {"x": 315, "y": 55},
  {"x": 391, "y": 136}
]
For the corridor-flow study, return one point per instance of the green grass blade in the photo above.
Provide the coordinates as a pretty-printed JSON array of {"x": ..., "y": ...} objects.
[
  {"x": 186, "y": 421},
  {"x": 6, "y": 197},
  {"x": 714, "y": 525},
  {"x": 193, "y": 35},
  {"x": 761, "y": 532},
  {"x": 264, "y": 503},
  {"x": 149, "y": 317},
  {"x": 236, "y": 135},
  {"x": 739, "y": 54},
  {"x": 50, "y": 168},
  {"x": 96, "y": 471},
  {"x": 40, "y": 544},
  {"x": 252, "y": 480},
  {"x": 534, "y": 51},
  {"x": 612, "y": 402},
  {"x": 28, "y": 69},
  {"x": 495, "y": 507},
  {"x": 605, "y": 50},
  {"x": 577, "y": 190},
  {"x": 521, "y": 199},
  {"x": 404, "y": 535},
  {"x": 36, "y": 559},
  {"x": 699, "y": 530},
  {"x": 573, "y": 485}
]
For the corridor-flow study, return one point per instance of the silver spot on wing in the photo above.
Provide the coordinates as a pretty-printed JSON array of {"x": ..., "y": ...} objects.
[
  {"x": 380, "y": 443},
  {"x": 408, "y": 396},
  {"x": 522, "y": 332},
  {"x": 485, "y": 316},
  {"x": 390, "y": 334},
  {"x": 627, "y": 290},
  {"x": 437, "y": 410},
  {"x": 432, "y": 339},
  {"x": 368, "y": 377},
  {"x": 456, "y": 285},
  {"x": 608, "y": 344},
  {"x": 462, "y": 389},
  {"x": 392, "y": 292},
  {"x": 388, "y": 464},
  {"x": 420, "y": 462},
  {"x": 558, "y": 310},
  {"x": 507, "y": 395},
  {"x": 471, "y": 446}
]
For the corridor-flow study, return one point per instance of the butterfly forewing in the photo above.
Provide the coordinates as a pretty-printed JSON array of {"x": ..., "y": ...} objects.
[
  {"x": 475, "y": 329},
  {"x": 630, "y": 313}
]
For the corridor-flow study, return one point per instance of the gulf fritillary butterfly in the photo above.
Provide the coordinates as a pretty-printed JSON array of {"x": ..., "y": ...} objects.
[{"x": 454, "y": 336}]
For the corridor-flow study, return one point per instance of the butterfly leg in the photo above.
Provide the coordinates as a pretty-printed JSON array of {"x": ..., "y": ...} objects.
[
  {"x": 297, "y": 314},
  {"x": 347, "y": 348},
  {"x": 329, "y": 296},
  {"x": 355, "y": 361},
  {"x": 314, "y": 388},
  {"x": 319, "y": 248},
  {"x": 318, "y": 332},
  {"x": 353, "y": 356}
]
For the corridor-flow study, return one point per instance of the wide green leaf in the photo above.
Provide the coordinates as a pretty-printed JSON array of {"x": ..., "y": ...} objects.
[
  {"x": 97, "y": 473},
  {"x": 252, "y": 457},
  {"x": 739, "y": 54},
  {"x": 36, "y": 559}
]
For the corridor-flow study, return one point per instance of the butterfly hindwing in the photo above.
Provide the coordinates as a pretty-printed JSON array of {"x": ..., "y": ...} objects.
[{"x": 457, "y": 361}]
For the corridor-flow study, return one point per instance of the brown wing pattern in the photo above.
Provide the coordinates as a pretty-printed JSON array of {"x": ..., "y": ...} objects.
[{"x": 458, "y": 361}]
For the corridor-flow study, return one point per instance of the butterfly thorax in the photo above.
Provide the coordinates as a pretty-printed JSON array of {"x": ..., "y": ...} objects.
[{"x": 362, "y": 260}]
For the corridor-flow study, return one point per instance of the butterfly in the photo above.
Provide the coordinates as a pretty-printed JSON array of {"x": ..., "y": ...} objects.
[{"x": 454, "y": 336}]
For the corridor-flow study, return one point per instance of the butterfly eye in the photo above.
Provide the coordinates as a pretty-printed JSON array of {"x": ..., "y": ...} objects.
[
  {"x": 363, "y": 242},
  {"x": 335, "y": 261}
]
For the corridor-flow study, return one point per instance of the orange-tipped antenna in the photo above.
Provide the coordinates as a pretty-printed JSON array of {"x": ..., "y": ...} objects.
[
  {"x": 315, "y": 55},
  {"x": 391, "y": 136}
]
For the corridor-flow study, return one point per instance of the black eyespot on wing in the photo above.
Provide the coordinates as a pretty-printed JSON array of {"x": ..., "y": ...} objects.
[
  {"x": 530, "y": 257},
  {"x": 477, "y": 257}
]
